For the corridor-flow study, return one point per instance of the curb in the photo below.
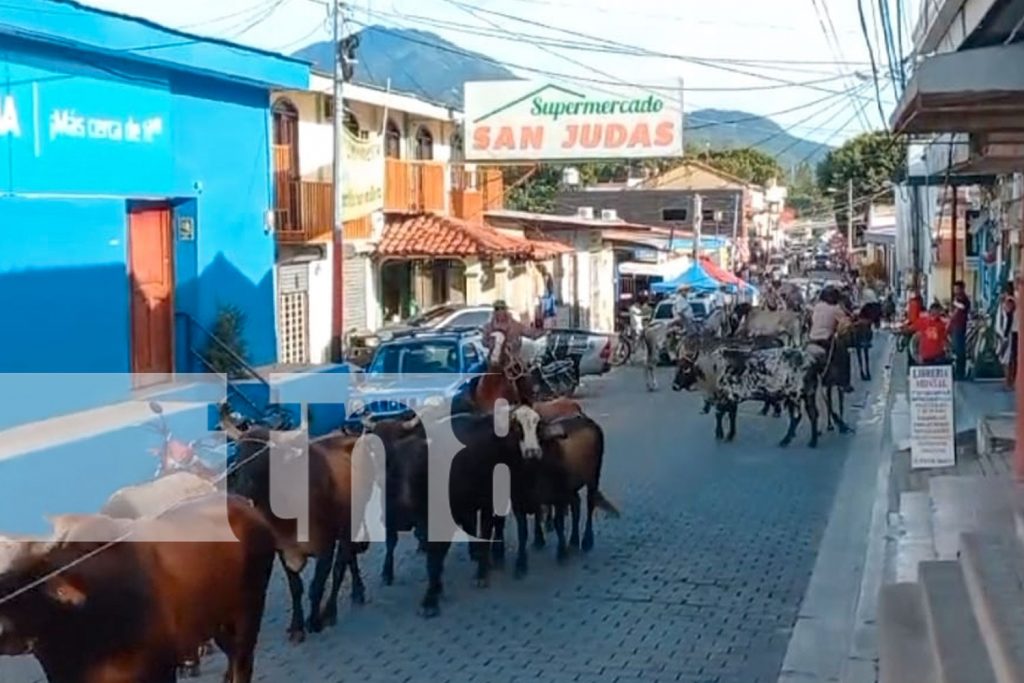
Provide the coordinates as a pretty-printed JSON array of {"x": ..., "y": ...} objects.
[{"x": 834, "y": 638}]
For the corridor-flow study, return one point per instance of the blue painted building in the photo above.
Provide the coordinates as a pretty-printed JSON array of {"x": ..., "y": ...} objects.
[{"x": 135, "y": 189}]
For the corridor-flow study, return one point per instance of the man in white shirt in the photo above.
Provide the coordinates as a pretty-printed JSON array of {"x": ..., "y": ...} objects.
[{"x": 682, "y": 311}]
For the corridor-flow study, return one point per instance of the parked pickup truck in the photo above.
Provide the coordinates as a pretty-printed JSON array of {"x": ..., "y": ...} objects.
[{"x": 408, "y": 371}]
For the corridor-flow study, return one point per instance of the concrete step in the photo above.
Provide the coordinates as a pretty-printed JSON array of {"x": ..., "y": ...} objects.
[
  {"x": 915, "y": 542},
  {"x": 993, "y": 568},
  {"x": 905, "y": 647},
  {"x": 965, "y": 504},
  {"x": 956, "y": 638}
]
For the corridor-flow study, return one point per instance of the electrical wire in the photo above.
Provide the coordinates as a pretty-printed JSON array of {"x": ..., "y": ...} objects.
[
  {"x": 871, "y": 54},
  {"x": 639, "y": 51},
  {"x": 832, "y": 40}
]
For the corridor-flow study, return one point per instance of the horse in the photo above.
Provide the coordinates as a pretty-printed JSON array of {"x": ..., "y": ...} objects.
[
  {"x": 662, "y": 337},
  {"x": 834, "y": 374},
  {"x": 506, "y": 378}
]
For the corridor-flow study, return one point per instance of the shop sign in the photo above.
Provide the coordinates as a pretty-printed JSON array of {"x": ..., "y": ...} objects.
[
  {"x": 535, "y": 121},
  {"x": 932, "y": 431}
]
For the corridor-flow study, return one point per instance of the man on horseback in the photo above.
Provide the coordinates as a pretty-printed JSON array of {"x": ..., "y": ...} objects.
[
  {"x": 683, "y": 319},
  {"x": 513, "y": 331},
  {"x": 826, "y": 318}
]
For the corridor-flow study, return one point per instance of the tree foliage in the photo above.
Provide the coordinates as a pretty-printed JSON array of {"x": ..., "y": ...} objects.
[
  {"x": 870, "y": 160},
  {"x": 805, "y": 196},
  {"x": 749, "y": 164}
]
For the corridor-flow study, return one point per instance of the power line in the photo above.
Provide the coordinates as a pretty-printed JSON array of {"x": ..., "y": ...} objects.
[
  {"x": 722, "y": 65},
  {"x": 541, "y": 42},
  {"x": 871, "y": 54},
  {"x": 832, "y": 40},
  {"x": 590, "y": 7},
  {"x": 578, "y": 79}
]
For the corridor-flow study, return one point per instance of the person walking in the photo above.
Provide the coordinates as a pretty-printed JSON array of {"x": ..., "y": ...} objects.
[
  {"x": 958, "y": 329},
  {"x": 1008, "y": 335}
]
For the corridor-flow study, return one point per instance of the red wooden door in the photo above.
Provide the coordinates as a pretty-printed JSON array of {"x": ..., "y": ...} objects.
[{"x": 151, "y": 272}]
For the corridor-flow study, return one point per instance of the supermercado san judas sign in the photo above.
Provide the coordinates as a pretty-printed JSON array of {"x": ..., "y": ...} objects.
[{"x": 530, "y": 121}]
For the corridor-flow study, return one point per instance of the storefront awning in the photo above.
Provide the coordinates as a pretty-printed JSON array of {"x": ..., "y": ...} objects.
[
  {"x": 665, "y": 270},
  {"x": 980, "y": 90}
]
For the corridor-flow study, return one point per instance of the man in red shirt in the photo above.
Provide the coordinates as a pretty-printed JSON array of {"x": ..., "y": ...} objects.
[{"x": 931, "y": 329}]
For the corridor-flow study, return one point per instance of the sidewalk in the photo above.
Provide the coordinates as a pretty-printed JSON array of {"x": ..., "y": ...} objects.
[{"x": 834, "y": 636}]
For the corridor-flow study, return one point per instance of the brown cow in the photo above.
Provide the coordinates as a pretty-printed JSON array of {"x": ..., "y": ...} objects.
[
  {"x": 112, "y": 610},
  {"x": 155, "y": 497},
  {"x": 340, "y": 486}
]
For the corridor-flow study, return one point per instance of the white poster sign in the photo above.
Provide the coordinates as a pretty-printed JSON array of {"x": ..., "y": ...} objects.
[
  {"x": 362, "y": 172},
  {"x": 932, "y": 431},
  {"x": 536, "y": 121}
]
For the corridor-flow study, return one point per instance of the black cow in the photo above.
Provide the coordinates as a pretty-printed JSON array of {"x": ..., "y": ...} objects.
[
  {"x": 470, "y": 484},
  {"x": 729, "y": 377},
  {"x": 573, "y": 455}
]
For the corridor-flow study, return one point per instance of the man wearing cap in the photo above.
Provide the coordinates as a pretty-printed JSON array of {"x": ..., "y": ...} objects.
[
  {"x": 682, "y": 311},
  {"x": 502, "y": 321}
]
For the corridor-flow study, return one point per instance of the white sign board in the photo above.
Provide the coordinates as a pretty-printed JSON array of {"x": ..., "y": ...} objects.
[
  {"x": 537, "y": 121},
  {"x": 932, "y": 432}
]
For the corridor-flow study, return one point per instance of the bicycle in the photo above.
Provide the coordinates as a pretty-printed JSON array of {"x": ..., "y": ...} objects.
[{"x": 627, "y": 340}]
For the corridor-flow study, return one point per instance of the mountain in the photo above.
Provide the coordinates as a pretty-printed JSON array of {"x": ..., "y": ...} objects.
[
  {"x": 417, "y": 62},
  {"x": 426, "y": 65},
  {"x": 726, "y": 129}
]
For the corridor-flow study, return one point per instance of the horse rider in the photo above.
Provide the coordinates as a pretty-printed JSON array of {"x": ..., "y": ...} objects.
[
  {"x": 683, "y": 318},
  {"x": 514, "y": 331},
  {"x": 826, "y": 318}
]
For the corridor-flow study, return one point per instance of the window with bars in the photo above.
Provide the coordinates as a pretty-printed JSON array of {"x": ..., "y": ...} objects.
[{"x": 294, "y": 326}]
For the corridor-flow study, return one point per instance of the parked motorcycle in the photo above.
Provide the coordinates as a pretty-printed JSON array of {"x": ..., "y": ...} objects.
[
  {"x": 554, "y": 378},
  {"x": 175, "y": 455}
]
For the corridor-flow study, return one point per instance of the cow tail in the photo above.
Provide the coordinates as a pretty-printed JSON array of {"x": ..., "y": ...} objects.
[{"x": 600, "y": 500}]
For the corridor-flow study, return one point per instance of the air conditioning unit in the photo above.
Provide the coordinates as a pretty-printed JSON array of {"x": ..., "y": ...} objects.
[
  {"x": 585, "y": 212},
  {"x": 609, "y": 215}
]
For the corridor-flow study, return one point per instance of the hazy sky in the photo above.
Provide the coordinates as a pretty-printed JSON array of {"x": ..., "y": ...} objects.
[{"x": 709, "y": 30}]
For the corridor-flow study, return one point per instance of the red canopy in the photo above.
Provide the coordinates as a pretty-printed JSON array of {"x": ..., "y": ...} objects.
[{"x": 720, "y": 274}]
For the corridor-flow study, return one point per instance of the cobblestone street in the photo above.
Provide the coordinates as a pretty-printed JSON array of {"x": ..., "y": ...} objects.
[{"x": 700, "y": 580}]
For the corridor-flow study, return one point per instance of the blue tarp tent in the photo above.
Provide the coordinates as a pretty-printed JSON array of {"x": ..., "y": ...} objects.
[{"x": 696, "y": 277}]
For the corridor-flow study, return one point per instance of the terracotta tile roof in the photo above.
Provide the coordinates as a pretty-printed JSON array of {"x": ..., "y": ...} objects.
[{"x": 431, "y": 235}]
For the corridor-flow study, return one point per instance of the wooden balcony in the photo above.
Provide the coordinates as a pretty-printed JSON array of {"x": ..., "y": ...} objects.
[
  {"x": 476, "y": 191},
  {"x": 414, "y": 185},
  {"x": 304, "y": 210}
]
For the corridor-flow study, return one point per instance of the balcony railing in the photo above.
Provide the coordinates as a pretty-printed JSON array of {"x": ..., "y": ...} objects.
[
  {"x": 475, "y": 191},
  {"x": 414, "y": 185},
  {"x": 304, "y": 209}
]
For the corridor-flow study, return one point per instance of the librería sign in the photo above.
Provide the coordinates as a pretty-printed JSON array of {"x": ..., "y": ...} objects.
[
  {"x": 526, "y": 120},
  {"x": 932, "y": 429}
]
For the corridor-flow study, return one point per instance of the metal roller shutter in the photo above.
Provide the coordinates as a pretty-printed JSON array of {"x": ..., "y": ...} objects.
[{"x": 354, "y": 292}]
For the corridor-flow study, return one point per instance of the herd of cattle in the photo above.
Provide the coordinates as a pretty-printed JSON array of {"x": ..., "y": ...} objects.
[
  {"x": 122, "y": 596},
  {"x": 755, "y": 354},
  {"x": 108, "y": 599}
]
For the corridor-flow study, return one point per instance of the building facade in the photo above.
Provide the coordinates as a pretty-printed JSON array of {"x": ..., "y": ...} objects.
[
  {"x": 403, "y": 159},
  {"x": 731, "y": 207},
  {"x": 135, "y": 194}
]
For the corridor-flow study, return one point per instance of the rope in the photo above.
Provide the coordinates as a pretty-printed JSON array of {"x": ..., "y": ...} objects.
[{"x": 108, "y": 544}]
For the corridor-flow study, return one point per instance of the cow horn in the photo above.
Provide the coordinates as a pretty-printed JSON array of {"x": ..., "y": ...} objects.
[
  {"x": 411, "y": 423},
  {"x": 367, "y": 421}
]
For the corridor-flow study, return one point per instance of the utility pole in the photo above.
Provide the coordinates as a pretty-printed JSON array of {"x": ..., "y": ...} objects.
[
  {"x": 849, "y": 222},
  {"x": 698, "y": 214},
  {"x": 344, "y": 61},
  {"x": 735, "y": 227}
]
